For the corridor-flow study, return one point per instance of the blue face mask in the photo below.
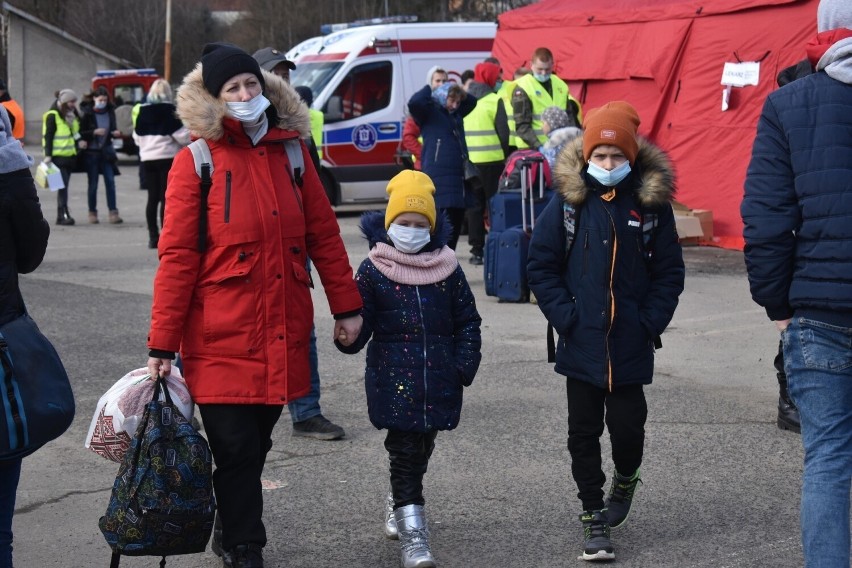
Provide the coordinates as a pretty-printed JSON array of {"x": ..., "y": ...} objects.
[
  {"x": 609, "y": 178},
  {"x": 498, "y": 85},
  {"x": 541, "y": 77}
]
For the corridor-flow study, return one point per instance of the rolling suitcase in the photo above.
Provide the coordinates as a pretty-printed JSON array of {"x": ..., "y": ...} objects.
[
  {"x": 506, "y": 251},
  {"x": 504, "y": 207}
]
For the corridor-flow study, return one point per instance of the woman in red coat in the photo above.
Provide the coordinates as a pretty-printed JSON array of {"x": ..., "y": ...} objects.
[{"x": 240, "y": 313}]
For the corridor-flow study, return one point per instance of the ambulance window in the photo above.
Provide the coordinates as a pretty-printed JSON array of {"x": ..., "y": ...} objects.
[
  {"x": 128, "y": 94},
  {"x": 366, "y": 89}
]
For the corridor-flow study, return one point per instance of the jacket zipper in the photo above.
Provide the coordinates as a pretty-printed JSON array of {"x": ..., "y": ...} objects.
[
  {"x": 610, "y": 301},
  {"x": 585, "y": 252},
  {"x": 437, "y": 149},
  {"x": 228, "y": 196},
  {"x": 425, "y": 384}
]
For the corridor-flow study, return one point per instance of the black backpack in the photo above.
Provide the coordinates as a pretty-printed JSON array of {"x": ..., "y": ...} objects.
[{"x": 162, "y": 500}]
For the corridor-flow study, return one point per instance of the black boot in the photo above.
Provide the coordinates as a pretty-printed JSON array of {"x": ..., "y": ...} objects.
[
  {"x": 63, "y": 216},
  {"x": 788, "y": 414}
]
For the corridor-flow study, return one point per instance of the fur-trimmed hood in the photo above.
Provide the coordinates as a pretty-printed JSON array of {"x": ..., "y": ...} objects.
[
  {"x": 373, "y": 229},
  {"x": 203, "y": 114},
  {"x": 652, "y": 171}
]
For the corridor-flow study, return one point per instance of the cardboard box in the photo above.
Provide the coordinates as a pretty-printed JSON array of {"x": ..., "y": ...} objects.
[{"x": 693, "y": 225}]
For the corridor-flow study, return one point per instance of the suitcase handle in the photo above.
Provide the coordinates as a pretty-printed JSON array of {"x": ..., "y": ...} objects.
[{"x": 526, "y": 189}]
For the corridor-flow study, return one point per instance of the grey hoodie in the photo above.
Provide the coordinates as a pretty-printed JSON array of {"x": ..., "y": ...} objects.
[{"x": 837, "y": 61}]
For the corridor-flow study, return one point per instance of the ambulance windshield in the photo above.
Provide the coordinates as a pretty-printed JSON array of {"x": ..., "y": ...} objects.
[{"x": 314, "y": 75}]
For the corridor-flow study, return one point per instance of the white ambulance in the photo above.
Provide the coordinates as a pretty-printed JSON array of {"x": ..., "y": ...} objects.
[{"x": 362, "y": 78}]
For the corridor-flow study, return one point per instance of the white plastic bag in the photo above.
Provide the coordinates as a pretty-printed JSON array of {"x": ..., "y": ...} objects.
[
  {"x": 120, "y": 409},
  {"x": 49, "y": 177}
]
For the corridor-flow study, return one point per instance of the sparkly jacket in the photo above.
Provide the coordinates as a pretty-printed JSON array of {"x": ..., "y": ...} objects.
[{"x": 421, "y": 316}]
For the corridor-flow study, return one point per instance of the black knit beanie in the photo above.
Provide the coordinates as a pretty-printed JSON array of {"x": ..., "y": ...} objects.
[{"x": 222, "y": 61}]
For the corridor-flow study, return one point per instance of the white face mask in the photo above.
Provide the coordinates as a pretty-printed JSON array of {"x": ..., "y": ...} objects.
[
  {"x": 541, "y": 77},
  {"x": 609, "y": 178},
  {"x": 408, "y": 239},
  {"x": 248, "y": 111}
]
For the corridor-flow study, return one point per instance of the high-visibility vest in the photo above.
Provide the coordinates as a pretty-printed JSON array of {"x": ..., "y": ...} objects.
[
  {"x": 540, "y": 100},
  {"x": 17, "y": 112},
  {"x": 134, "y": 114},
  {"x": 317, "y": 121},
  {"x": 64, "y": 138},
  {"x": 483, "y": 144},
  {"x": 505, "y": 92}
]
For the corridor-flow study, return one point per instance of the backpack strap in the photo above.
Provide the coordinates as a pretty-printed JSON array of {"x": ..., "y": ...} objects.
[
  {"x": 569, "y": 222},
  {"x": 204, "y": 168},
  {"x": 115, "y": 560},
  {"x": 650, "y": 222},
  {"x": 293, "y": 146}
]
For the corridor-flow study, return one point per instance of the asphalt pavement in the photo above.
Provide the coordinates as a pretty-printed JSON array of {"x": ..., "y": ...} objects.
[{"x": 720, "y": 485}]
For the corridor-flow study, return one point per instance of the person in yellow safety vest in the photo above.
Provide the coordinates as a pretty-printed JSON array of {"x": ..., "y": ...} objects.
[
  {"x": 317, "y": 118},
  {"x": 486, "y": 131},
  {"x": 506, "y": 91},
  {"x": 534, "y": 93},
  {"x": 16, "y": 113},
  {"x": 60, "y": 138}
]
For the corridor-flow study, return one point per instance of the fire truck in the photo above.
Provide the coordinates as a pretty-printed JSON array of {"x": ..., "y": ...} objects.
[{"x": 126, "y": 87}]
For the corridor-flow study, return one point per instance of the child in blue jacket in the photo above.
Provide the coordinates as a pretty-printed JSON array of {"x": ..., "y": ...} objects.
[{"x": 421, "y": 315}]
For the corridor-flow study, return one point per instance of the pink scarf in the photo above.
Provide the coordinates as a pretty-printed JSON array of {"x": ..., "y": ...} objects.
[{"x": 414, "y": 269}]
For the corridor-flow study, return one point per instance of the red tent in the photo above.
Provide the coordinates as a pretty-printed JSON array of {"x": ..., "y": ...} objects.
[{"x": 666, "y": 57}]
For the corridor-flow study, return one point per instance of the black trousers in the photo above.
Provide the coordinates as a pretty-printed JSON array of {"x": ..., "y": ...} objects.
[
  {"x": 240, "y": 436},
  {"x": 156, "y": 178},
  {"x": 624, "y": 411},
  {"x": 489, "y": 176},
  {"x": 456, "y": 217},
  {"x": 409, "y": 454}
]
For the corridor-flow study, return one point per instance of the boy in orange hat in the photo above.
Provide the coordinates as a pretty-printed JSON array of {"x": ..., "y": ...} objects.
[{"x": 609, "y": 292}]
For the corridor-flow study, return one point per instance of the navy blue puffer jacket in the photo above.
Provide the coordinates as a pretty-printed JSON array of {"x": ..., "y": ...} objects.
[
  {"x": 425, "y": 344},
  {"x": 797, "y": 209},
  {"x": 606, "y": 301},
  {"x": 444, "y": 147}
]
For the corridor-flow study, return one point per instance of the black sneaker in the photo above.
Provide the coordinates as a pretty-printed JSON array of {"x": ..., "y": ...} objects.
[
  {"x": 244, "y": 556},
  {"x": 318, "y": 427},
  {"x": 596, "y": 543},
  {"x": 476, "y": 259},
  {"x": 620, "y": 498}
]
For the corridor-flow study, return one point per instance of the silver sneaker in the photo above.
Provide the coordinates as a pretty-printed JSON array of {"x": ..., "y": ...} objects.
[
  {"x": 390, "y": 521},
  {"x": 414, "y": 537}
]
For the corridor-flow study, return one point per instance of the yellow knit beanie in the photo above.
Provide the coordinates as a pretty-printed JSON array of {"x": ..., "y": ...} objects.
[{"x": 410, "y": 191}]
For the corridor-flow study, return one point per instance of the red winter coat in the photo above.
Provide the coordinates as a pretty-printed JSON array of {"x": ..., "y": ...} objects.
[{"x": 241, "y": 313}]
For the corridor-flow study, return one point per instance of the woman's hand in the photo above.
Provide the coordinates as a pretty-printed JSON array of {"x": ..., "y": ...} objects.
[
  {"x": 346, "y": 330},
  {"x": 159, "y": 367}
]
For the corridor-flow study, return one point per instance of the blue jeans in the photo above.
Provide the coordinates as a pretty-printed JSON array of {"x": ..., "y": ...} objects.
[
  {"x": 818, "y": 362},
  {"x": 10, "y": 473},
  {"x": 97, "y": 164},
  {"x": 308, "y": 406}
]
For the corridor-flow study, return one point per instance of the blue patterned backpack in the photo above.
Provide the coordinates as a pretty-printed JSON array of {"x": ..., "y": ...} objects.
[{"x": 162, "y": 500}]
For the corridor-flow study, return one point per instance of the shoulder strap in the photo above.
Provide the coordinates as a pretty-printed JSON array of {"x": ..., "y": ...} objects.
[
  {"x": 569, "y": 221},
  {"x": 293, "y": 147},
  {"x": 204, "y": 168},
  {"x": 650, "y": 222}
]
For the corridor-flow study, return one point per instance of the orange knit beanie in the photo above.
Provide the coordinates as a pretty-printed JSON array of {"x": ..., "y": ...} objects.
[{"x": 614, "y": 124}]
